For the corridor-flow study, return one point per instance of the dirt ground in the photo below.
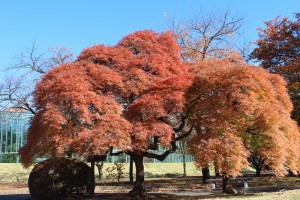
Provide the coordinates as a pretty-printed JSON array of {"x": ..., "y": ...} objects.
[{"x": 266, "y": 187}]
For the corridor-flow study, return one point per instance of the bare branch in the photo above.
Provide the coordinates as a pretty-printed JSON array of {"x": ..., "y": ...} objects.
[
  {"x": 17, "y": 91},
  {"x": 208, "y": 34}
]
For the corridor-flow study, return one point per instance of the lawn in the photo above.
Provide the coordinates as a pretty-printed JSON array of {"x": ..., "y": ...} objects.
[
  {"x": 165, "y": 178},
  {"x": 14, "y": 172}
]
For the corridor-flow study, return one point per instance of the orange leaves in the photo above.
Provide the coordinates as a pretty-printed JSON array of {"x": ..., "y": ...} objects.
[
  {"x": 159, "y": 52},
  {"x": 143, "y": 134},
  {"x": 104, "y": 79},
  {"x": 225, "y": 150},
  {"x": 81, "y": 105},
  {"x": 278, "y": 43},
  {"x": 231, "y": 100},
  {"x": 164, "y": 98},
  {"x": 138, "y": 92},
  {"x": 278, "y": 51}
]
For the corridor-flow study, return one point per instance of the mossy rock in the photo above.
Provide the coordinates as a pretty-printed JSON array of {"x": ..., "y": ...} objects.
[{"x": 57, "y": 178}]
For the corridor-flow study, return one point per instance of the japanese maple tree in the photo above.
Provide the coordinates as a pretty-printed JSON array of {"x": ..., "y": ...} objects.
[{"x": 82, "y": 107}]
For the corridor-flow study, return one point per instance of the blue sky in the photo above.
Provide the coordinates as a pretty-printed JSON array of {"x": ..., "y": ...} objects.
[{"x": 79, "y": 24}]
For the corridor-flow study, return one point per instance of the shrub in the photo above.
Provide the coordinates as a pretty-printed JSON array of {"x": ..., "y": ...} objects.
[{"x": 59, "y": 177}]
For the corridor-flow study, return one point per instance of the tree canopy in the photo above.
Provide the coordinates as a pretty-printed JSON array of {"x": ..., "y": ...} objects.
[
  {"x": 233, "y": 103},
  {"x": 278, "y": 51},
  {"x": 278, "y": 43}
]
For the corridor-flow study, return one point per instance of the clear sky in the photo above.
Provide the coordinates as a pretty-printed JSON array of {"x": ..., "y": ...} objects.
[{"x": 81, "y": 23}]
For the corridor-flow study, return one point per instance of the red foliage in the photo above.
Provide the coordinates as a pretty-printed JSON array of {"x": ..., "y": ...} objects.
[
  {"x": 278, "y": 51},
  {"x": 139, "y": 94},
  {"x": 81, "y": 105}
]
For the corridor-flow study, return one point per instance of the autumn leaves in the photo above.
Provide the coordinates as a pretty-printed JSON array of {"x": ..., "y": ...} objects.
[{"x": 140, "y": 92}]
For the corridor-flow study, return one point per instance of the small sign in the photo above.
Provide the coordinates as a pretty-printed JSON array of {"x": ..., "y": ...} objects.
[{"x": 51, "y": 171}]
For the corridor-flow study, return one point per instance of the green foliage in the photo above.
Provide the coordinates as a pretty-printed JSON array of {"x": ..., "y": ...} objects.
[{"x": 9, "y": 158}]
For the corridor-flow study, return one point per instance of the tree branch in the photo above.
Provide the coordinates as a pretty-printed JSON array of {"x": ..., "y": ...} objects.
[
  {"x": 111, "y": 153},
  {"x": 185, "y": 134},
  {"x": 164, "y": 155}
]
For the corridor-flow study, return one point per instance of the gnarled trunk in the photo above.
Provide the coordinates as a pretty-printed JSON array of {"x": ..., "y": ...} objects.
[
  {"x": 258, "y": 170},
  {"x": 139, "y": 185}
]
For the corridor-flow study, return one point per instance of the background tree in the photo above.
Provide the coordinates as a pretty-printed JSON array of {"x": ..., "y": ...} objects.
[
  {"x": 254, "y": 143},
  {"x": 183, "y": 150},
  {"x": 278, "y": 51},
  {"x": 17, "y": 90},
  {"x": 208, "y": 34}
]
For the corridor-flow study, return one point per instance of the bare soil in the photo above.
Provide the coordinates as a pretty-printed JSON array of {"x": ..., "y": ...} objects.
[{"x": 264, "y": 187}]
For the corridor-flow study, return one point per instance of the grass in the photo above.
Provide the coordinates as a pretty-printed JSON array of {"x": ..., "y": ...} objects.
[
  {"x": 160, "y": 170},
  {"x": 13, "y": 180},
  {"x": 14, "y": 172}
]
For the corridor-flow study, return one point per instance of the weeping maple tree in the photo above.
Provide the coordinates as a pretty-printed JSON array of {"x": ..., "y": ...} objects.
[
  {"x": 222, "y": 105},
  {"x": 83, "y": 107},
  {"x": 226, "y": 101}
]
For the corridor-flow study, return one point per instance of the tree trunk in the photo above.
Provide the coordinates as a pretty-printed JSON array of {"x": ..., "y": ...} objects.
[
  {"x": 258, "y": 170},
  {"x": 205, "y": 173},
  {"x": 139, "y": 185},
  {"x": 184, "y": 164},
  {"x": 100, "y": 168},
  {"x": 217, "y": 172},
  {"x": 92, "y": 181},
  {"x": 225, "y": 181},
  {"x": 131, "y": 170},
  {"x": 257, "y": 163}
]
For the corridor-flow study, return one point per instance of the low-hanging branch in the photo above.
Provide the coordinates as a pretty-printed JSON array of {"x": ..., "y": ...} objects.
[
  {"x": 173, "y": 148},
  {"x": 163, "y": 156}
]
